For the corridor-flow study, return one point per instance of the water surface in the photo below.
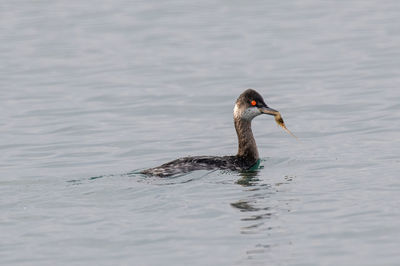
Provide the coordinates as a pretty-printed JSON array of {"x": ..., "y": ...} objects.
[{"x": 93, "y": 91}]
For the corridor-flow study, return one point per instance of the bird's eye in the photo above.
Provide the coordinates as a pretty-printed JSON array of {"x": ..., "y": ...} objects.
[{"x": 253, "y": 103}]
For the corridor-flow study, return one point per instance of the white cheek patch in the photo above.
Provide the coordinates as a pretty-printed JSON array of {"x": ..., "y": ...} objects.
[
  {"x": 247, "y": 114},
  {"x": 250, "y": 113},
  {"x": 236, "y": 112}
]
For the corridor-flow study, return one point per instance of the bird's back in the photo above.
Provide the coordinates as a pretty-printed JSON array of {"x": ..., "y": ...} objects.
[{"x": 188, "y": 164}]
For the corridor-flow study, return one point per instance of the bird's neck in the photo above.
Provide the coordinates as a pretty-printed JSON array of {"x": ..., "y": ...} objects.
[{"x": 247, "y": 144}]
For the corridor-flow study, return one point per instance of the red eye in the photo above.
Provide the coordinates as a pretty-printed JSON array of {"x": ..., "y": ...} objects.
[{"x": 253, "y": 102}]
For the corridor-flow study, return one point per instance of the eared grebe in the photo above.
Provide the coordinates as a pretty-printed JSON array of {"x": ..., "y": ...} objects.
[{"x": 249, "y": 105}]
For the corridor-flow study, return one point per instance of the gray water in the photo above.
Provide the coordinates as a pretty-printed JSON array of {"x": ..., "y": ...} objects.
[{"x": 93, "y": 91}]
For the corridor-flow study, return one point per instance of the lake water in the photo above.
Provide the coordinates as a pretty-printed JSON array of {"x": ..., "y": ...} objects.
[{"x": 92, "y": 91}]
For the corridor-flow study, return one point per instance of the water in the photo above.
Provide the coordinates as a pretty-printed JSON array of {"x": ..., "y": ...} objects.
[{"x": 92, "y": 91}]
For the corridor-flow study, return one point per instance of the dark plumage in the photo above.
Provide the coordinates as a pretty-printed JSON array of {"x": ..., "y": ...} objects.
[{"x": 249, "y": 105}]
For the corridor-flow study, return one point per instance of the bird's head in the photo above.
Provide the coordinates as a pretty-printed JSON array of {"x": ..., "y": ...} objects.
[{"x": 251, "y": 104}]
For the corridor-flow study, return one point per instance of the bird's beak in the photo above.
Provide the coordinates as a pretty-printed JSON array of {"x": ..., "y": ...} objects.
[{"x": 268, "y": 111}]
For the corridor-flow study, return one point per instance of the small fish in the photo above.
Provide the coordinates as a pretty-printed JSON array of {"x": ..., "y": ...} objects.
[{"x": 279, "y": 121}]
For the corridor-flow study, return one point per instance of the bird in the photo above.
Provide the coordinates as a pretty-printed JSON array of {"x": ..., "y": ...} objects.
[{"x": 249, "y": 105}]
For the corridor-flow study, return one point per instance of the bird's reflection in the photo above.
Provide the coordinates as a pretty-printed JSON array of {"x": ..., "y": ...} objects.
[
  {"x": 248, "y": 178},
  {"x": 255, "y": 212},
  {"x": 261, "y": 207}
]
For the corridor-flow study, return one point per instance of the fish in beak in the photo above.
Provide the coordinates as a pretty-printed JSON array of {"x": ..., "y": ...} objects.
[{"x": 278, "y": 118}]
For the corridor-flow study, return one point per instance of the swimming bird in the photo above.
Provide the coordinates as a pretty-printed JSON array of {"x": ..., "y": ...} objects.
[{"x": 249, "y": 105}]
